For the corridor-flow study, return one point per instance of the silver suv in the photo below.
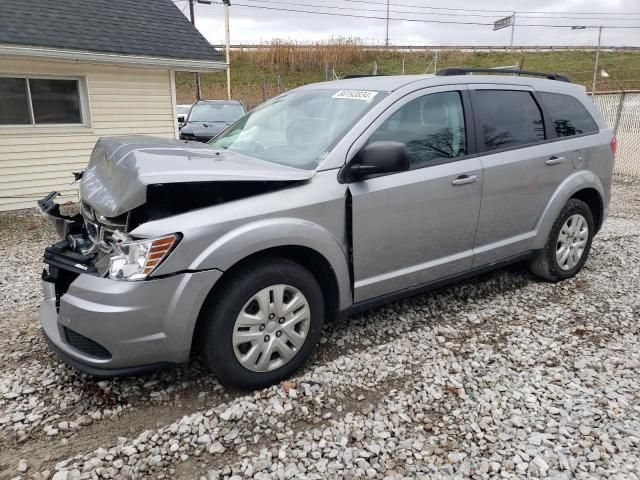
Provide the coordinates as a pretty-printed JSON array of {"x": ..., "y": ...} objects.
[{"x": 326, "y": 200}]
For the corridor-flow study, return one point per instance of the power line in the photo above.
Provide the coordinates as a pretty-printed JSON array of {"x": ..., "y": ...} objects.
[
  {"x": 489, "y": 10},
  {"x": 334, "y": 7},
  {"x": 362, "y": 9},
  {"x": 333, "y": 14},
  {"x": 315, "y": 12},
  {"x": 576, "y": 18}
]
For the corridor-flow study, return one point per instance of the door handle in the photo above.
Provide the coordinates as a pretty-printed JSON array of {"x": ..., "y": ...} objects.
[
  {"x": 464, "y": 180},
  {"x": 554, "y": 160}
]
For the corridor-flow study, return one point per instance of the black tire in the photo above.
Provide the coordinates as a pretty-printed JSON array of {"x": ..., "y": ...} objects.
[
  {"x": 219, "y": 314},
  {"x": 545, "y": 265}
]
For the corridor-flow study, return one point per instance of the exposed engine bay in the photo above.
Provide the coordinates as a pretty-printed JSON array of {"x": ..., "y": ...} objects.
[
  {"x": 130, "y": 181},
  {"x": 88, "y": 239}
]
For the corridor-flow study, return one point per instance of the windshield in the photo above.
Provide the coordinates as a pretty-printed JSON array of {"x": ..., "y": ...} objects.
[
  {"x": 298, "y": 128},
  {"x": 216, "y": 112}
]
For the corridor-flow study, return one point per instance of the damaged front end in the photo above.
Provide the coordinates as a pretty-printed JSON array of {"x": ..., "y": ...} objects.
[
  {"x": 133, "y": 180},
  {"x": 96, "y": 245},
  {"x": 95, "y": 305},
  {"x": 84, "y": 246},
  {"x": 99, "y": 314},
  {"x": 85, "y": 239}
]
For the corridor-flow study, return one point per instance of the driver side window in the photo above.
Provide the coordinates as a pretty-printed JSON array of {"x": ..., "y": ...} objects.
[{"x": 432, "y": 128}]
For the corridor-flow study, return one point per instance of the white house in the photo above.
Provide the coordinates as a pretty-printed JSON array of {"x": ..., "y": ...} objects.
[{"x": 75, "y": 70}]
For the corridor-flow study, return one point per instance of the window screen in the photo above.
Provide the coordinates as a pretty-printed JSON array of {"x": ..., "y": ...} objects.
[
  {"x": 432, "y": 128},
  {"x": 507, "y": 118},
  {"x": 14, "y": 102},
  {"x": 52, "y": 101},
  {"x": 568, "y": 115},
  {"x": 55, "y": 101}
]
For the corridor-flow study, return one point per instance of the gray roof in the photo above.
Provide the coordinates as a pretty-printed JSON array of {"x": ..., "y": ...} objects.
[
  {"x": 391, "y": 83},
  {"x": 155, "y": 28}
]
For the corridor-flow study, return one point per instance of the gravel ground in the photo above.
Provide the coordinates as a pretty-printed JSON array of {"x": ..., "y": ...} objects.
[{"x": 499, "y": 376}]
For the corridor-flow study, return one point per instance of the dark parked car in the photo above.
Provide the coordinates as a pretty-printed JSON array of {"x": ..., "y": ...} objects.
[{"x": 208, "y": 118}]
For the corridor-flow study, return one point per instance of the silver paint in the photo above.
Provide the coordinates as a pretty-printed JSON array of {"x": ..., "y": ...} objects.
[{"x": 407, "y": 228}]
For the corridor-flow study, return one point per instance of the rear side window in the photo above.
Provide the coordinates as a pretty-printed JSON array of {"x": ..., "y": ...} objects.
[
  {"x": 506, "y": 119},
  {"x": 568, "y": 115}
]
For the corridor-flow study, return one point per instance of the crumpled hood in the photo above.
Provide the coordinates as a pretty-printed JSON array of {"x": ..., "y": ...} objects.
[
  {"x": 206, "y": 129},
  {"x": 120, "y": 169}
]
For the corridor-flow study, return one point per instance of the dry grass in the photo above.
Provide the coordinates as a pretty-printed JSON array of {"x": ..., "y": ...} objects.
[{"x": 287, "y": 55}]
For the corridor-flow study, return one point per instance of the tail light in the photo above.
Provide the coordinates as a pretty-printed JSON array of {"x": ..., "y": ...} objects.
[{"x": 614, "y": 145}]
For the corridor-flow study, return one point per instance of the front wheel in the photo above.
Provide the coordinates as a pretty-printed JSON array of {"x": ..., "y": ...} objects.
[
  {"x": 263, "y": 323},
  {"x": 568, "y": 245}
]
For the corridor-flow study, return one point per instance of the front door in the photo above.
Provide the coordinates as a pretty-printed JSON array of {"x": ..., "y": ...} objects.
[{"x": 418, "y": 226}]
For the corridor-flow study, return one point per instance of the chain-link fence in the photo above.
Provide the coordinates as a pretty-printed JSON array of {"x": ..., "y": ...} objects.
[{"x": 621, "y": 110}]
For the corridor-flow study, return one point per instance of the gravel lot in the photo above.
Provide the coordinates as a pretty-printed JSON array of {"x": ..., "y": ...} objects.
[{"x": 500, "y": 376}]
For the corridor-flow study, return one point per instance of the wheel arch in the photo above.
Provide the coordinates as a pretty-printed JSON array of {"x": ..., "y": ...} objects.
[
  {"x": 583, "y": 185},
  {"x": 593, "y": 199},
  {"x": 305, "y": 256}
]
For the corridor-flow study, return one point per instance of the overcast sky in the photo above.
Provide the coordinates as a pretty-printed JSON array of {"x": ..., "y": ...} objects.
[{"x": 253, "y": 25}]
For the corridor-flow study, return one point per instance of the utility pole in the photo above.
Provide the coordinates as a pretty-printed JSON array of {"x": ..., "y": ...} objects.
[
  {"x": 595, "y": 67},
  {"x": 193, "y": 22},
  {"x": 227, "y": 45},
  {"x": 513, "y": 28},
  {"x": 386, "y": 42}
]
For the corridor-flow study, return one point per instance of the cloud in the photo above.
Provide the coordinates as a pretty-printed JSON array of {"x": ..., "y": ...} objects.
[{"x": 252, "y": 25}]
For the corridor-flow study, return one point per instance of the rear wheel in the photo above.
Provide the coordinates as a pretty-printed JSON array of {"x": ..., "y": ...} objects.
[
  {"x": 263, "y": 323},
  {"x": 568, "y": 245}
]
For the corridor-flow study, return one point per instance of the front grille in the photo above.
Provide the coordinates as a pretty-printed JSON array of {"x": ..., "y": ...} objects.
[
  {"x": 100, "y": 229},
  {"x": 86, "y": 345}
]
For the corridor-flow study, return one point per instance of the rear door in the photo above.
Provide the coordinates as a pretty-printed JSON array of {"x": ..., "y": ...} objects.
[
  {"x": 417, "y": 226},
  {"x": 521, "y": 168},
  {"x": 571, "y": 122}
]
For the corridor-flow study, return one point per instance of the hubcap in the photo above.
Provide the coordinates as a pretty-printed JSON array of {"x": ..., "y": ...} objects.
[
  {"x": 271, "y": 328},
  {"x": 572, "y": 241}
]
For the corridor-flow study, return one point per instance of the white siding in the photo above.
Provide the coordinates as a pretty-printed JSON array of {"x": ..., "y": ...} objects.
[{"x": 35, "y": 160}]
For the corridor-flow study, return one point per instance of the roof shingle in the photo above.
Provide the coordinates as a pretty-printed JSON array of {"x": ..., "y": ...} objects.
[{"x": 155, "y": 28}]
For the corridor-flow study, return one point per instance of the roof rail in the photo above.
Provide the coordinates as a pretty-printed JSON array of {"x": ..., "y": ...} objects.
[
  {"x": 362, "y": 75},
  {"x": 463, "y": 71}
]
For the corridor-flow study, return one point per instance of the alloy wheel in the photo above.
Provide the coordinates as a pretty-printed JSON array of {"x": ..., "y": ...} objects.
[{"x": 572, "y": 241}]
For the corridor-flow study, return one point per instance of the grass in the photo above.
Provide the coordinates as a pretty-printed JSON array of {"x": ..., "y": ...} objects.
[{"x": 257, "y": 75}]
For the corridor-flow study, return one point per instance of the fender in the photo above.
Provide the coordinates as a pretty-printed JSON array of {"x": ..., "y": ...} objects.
[
  {"x": 572, "y": 184},
  {"x": 261, "y": 235}
]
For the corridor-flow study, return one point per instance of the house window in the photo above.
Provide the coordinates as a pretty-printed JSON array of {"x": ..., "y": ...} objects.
[{"x": 40, "y": 101}]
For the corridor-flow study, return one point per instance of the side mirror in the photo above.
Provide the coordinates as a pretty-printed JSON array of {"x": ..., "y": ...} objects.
[{"x": 379, "y": 157}]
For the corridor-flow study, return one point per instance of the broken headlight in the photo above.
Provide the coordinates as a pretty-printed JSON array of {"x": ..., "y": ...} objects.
[{"x": 137, "y": 259}]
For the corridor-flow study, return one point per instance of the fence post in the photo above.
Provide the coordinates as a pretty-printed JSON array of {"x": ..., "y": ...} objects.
[
  {"x": 326, "y": 72},
  {"x": 619, "y": 113}
]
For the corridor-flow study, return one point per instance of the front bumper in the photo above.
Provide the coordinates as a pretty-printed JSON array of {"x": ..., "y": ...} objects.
[{"x": 138, "y": 325}]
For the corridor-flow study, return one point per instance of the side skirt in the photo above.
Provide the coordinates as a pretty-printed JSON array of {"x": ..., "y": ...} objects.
[{"x": 426, "y": 287}]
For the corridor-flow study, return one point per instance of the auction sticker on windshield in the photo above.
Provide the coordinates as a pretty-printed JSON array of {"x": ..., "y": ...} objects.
[{"x": 365, "y": 95}]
